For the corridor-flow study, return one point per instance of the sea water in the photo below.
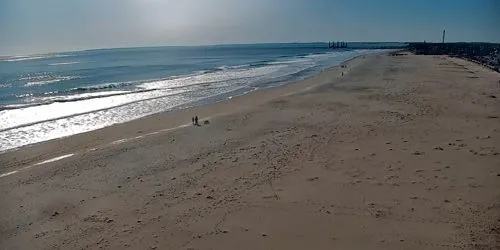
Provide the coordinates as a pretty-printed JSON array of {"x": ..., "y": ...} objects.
[{"x": 49, "y": 96}]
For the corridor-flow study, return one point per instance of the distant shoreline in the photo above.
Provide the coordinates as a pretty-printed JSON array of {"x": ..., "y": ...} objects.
[{"x": 325, "y": 44}]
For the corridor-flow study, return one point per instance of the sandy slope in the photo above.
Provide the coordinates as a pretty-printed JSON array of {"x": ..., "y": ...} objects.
[{"x": 400, "y": 153}]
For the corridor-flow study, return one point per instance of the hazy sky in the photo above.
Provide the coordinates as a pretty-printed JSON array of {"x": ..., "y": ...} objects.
[{"x": 31, "y": 26}]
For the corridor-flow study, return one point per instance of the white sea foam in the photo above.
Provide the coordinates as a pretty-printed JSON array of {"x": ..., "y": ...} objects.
[
  {"x": 47, "y": 79},
  {"x": 33, "y": 57},
  {"x": 63, "y": 63},
  {"x": 23, "y": 58}
]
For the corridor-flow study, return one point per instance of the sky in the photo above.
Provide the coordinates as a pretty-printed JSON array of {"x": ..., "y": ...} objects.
[{"x": 36, "y": 26}]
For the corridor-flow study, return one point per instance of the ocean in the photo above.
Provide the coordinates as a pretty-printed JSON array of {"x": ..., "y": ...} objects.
[{"x": 49, "y": 96}]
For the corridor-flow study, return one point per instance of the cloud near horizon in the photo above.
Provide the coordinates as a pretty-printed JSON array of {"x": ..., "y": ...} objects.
[{"x": 32, "y": 26}]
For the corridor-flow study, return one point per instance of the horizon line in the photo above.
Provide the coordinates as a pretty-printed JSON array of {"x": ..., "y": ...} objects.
[{"x": 220, "y": 44}]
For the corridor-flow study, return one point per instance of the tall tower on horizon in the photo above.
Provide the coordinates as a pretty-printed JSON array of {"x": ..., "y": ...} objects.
[{"x": 444, "y": 34}]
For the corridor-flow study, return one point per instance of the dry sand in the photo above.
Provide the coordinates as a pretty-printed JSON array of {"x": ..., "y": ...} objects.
[{"x": 400, "y": 153}]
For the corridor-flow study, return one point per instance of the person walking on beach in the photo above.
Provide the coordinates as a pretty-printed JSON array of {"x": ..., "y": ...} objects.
[
  {"x": 196, "y": 120},
  {"x": 192, "y": 120}
]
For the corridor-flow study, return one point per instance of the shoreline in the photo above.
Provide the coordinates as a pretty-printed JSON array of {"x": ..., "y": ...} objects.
[
  {"x": 51, "y": 111},
  {"x": 400, "y": 153},
  {"x": 167, "y": 120}
]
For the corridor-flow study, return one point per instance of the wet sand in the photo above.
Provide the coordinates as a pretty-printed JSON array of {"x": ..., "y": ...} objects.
[{"x": 402, "y": 152}]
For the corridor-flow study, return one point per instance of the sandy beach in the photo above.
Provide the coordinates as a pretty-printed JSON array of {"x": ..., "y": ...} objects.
[{"x": 401, "y": 152}]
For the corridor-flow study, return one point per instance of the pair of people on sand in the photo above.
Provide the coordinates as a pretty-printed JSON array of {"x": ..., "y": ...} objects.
[{"x": 194, "y": 120}]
